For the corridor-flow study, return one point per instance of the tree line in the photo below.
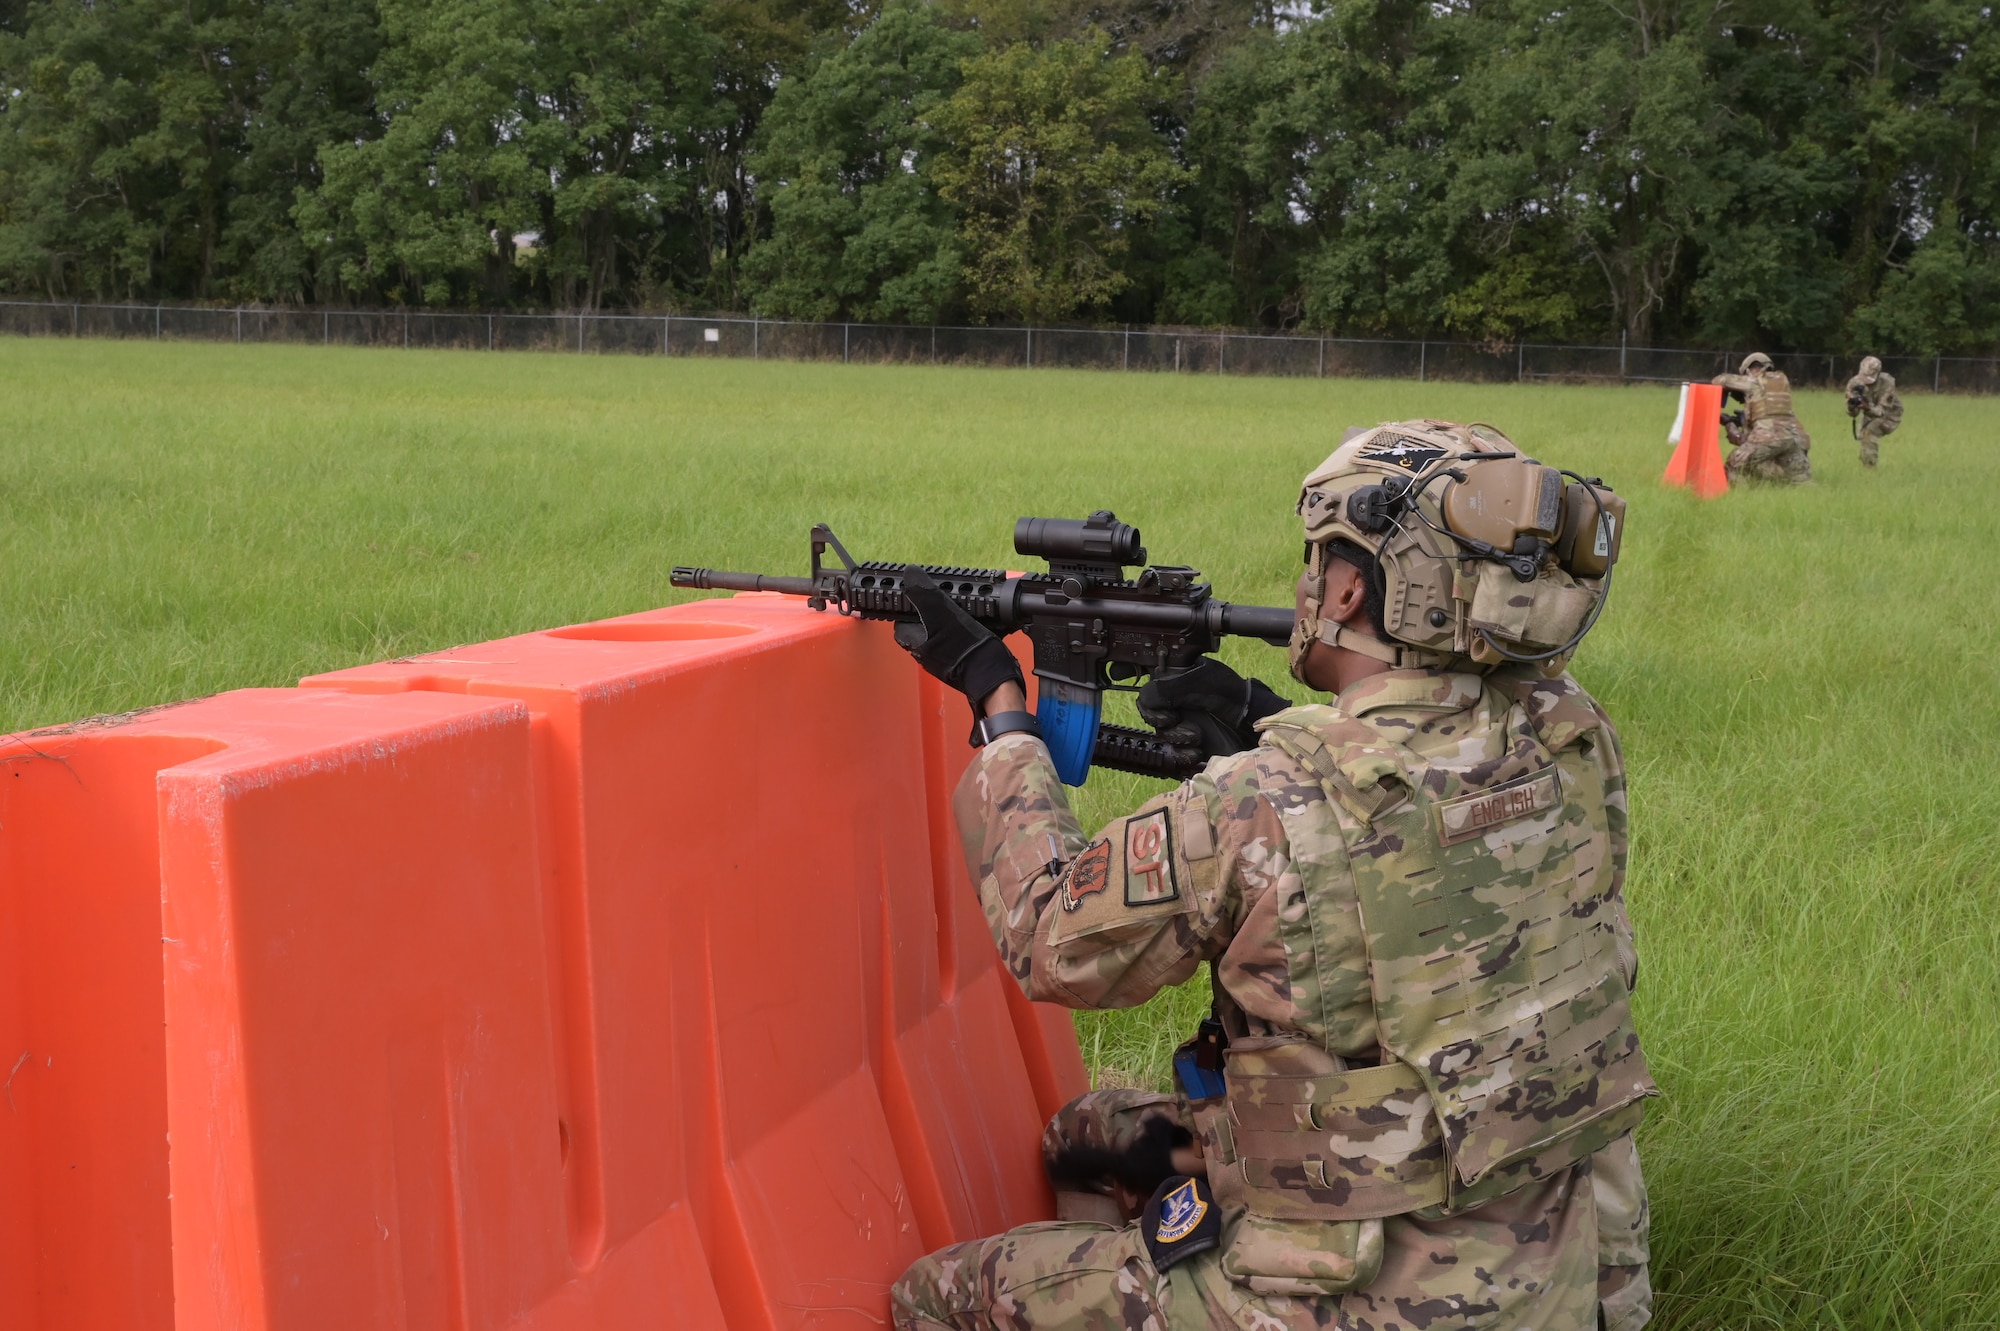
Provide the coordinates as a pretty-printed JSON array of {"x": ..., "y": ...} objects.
[{"x": 1801, "y": 173}]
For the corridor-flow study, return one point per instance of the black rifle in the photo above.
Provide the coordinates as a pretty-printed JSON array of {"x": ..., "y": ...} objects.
[
  {"x": 1092, "y": 628},
  {"x": 1857, "y": 402}
]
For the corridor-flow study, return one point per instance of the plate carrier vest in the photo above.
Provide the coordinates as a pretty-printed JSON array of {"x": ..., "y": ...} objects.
[{"x": 1508, "y": 1051}]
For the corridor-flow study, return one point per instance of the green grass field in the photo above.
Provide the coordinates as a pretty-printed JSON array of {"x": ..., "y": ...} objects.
[{"x": 1806, "y": 681}]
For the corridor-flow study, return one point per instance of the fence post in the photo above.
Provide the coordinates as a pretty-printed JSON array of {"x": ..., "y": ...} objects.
[
  {"x": 756, "y": 339},
  {"x": 325, "y": 327},
  {"x": 239, "y": 323},
  {"x": 1126, "y": 362},
  {"x": 844, "y": 330},
  {"x": 1423, "y": 355},
  {"x": 1937, "y": 368},
  {"x": 1621, "y": 353},
  {"x": 933, "y": 344},
  {"x": 406, "y": 330},
  {"x": 1322, "y": 358},
  {"x": 1031, "y": 346},
  {"x": 666, "y": 335},
  {"x": 156, "y": 323},
  {"x": 1221, "y": 351},
  {"x": 579, "y": 334},
  {"x": 489, "y": 332},
  {"x": 75, "y": 321}
]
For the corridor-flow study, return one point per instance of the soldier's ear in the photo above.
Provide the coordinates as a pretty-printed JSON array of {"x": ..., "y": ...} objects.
[{"x": 1346, "y": 594}]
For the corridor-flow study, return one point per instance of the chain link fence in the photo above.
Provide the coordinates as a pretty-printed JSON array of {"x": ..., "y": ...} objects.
[{"x": 1178, "y": 350}]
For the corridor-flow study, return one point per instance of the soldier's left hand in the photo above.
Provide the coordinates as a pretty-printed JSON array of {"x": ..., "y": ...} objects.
[{"x": 954, "y": 646}]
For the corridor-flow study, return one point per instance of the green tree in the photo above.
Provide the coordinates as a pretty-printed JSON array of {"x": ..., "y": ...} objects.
[
  {"x": 122, "y": 125},
  {"x": 427, "y": 212},
  {"x": 1053, "y": 161},
  {"x": 576, "y": 121},
  {"x": 844, "y": 166},
  {"x": 307, "y": 65}
]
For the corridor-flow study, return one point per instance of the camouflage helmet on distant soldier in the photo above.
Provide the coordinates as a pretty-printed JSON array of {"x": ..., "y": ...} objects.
[
  {"x": 1482, "y": 552},
  {"x": 1756, "y": 360}
]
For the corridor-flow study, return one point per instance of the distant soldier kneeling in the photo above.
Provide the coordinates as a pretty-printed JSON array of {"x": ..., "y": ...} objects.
[
  {"x": 1872, "y": 400},
  {"x": 1770, "y": 445}
]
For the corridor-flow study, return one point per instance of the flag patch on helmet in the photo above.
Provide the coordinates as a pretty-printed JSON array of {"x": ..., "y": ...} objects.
[
  {"x": 1400, "y": 451},
  {"x": 1180, "y": 1221}
]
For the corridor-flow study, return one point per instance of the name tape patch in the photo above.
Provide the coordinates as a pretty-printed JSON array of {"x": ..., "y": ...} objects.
[
  {"x": 1087, "y": 875},
  {"x": 1149, "y": 861},
  {"x": 1524, "y": 797}
]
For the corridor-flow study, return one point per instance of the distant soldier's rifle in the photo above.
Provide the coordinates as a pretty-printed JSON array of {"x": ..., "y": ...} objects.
[
  {"x": 1857, "y": 402},
  {"x": 1092, "y": 628}
]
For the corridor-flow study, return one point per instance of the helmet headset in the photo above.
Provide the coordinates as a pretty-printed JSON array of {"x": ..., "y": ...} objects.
[{"x": 1484, "y": 552}]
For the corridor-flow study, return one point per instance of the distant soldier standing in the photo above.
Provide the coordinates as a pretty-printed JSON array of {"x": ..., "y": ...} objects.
[
  {"x": 1411, "y": 1109},
  {"x": 1871, "y": 397},
  {"x": 1772, "y": 445}
]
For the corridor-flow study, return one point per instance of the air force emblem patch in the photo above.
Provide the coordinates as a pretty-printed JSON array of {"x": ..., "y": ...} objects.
[
  {"x": 1087, "y": 875},
  {"x": 1180, "y": 1221}
]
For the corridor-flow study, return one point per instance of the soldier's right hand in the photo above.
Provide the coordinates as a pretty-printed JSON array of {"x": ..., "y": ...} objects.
[{"x": 1208, "y": 705}]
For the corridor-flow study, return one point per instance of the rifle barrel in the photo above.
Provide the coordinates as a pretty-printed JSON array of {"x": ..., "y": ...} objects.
[
  {"x": 714, "y": 580},
  {"x": 1268, "y": 622}
]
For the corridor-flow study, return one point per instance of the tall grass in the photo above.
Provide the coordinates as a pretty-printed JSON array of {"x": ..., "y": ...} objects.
[{"x": 1806, "y": 680}]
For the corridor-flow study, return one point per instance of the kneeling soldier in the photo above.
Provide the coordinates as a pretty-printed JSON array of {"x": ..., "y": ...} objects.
[
  {"x": 1772, "y": 445},
  {"x": 1412, "y": 1106}
]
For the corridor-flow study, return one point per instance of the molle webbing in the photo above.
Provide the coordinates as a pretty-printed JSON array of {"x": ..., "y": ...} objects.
[
  {"x": 1775, "y": 400},
  {"x": 1318, "y": 1143},
  {"x": 1498, "y": 988}
]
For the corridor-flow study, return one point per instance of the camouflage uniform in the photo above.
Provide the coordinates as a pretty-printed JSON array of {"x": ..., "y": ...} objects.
[
  {"x": 1881, "y": 409},
  {"x": 1774, "y": 445},
  {"x": 1261, "y": 866}
]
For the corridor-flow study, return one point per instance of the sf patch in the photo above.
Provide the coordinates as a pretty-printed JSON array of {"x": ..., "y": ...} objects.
[
  {"x": 1149, "y": 861},
  {"x": 1087, "y": 875},
  {"x": 1180, "y": 1221},
  {"x": 1400, "y": 451}
]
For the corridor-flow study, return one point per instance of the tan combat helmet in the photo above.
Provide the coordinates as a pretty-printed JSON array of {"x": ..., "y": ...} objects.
[
  {"x": 1485, "y": 553},
  {"x": 1756, "y": 360},
  {"x": 1871, "y": 369}
]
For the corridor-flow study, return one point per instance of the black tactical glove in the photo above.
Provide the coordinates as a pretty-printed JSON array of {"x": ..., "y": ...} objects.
[
  {"x": 952, "y": 645},
  {"x": 1208, "y": 705}
]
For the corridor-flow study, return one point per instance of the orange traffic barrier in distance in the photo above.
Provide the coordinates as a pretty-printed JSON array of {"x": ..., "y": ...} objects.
[{"x": 1697, "y": 461}]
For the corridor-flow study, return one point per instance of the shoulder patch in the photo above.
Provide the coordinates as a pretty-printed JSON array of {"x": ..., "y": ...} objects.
[
  {"x": 1149, "y": 860},
  {"x": 1087, "y": 875},
  {"x": 1180, "y": 1221},
  {"x": 1524, "y": 797}
]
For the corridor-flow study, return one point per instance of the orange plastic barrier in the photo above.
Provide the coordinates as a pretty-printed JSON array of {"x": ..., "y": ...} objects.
[
  {"x": 624, "y": 974},
  {"x": 1697, "y": 462}
]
